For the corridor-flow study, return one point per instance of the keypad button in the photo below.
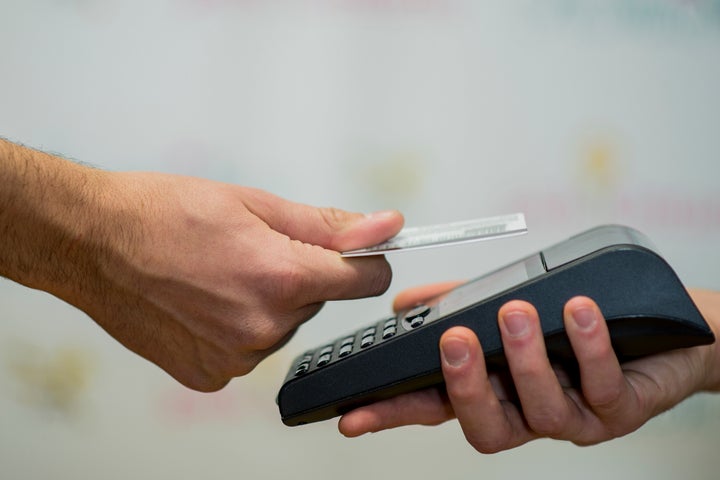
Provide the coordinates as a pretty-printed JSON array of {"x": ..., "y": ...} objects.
[
  {"x": 368, "y": 332},
  {"x": 389, "y": 332},
  {"x": 347, "y": 341},
  {"x": 345, "y": 350},
  {"x": 390, "y": 323},
  {"x": 326, "y": 350},
  {"x": 323, "y": 360},
  {"x": 367, "y": 341},
  {"x": 419, "y": 311},
  {"x": 304, "y": 363},
  {"x": 415, "y": 317},
  {"x": 416, "y": 321},
  {"x": 302, "y": 368}
]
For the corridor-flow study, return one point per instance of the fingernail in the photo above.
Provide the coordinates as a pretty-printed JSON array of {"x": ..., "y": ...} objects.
[
  {"x": 455, "y": 351},
  {"x": 584, "y": 317},
  {"x": 516, "y": 323},
  {"x": 380, "y": 214}
]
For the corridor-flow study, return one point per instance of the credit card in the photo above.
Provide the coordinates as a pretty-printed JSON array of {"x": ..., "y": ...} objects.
[{"x": 430, "y": 236}]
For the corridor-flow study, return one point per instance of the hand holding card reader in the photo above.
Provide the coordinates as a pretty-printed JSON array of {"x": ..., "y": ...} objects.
[{"x": 646, "y": 307}]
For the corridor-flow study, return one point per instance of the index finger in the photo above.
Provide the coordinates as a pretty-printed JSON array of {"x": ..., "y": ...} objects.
[{"x": 415, "y": 295}]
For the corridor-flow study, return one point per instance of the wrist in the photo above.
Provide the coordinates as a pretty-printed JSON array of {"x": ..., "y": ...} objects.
[
  {"x": 708, "y": 302},
  {"x": 54, "y": 217}
]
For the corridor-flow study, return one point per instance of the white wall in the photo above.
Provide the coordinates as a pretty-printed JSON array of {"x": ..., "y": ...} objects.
[{"x": 577, "y": 113}]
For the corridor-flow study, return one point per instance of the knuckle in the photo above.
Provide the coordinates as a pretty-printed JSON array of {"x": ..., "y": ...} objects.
[
  {"x": 244, "y": 366},
  {"x": 333, "y": 217},
  {"x": 484, "y": 443},
  {"x": 548, "y": 423},
  {"x": 486, "y": 446},
  {"x": 237, "y": 353},
  {"x": 201, "y": 381},
  {"x": 283, "y": 284},
  {"x": 607, "y": 400},
  {"x": 289, "y": 281},
  {"x": 272, "y": 332},
  {"x": 238, "y": 365},
  {"x": 264, "y": 334}
]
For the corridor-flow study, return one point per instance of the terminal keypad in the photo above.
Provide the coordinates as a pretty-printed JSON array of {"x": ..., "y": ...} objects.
[{"x": 363, "y": 339}]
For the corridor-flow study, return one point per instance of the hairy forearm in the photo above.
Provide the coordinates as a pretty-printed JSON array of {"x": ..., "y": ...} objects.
[{"x": 51, "y": 223}]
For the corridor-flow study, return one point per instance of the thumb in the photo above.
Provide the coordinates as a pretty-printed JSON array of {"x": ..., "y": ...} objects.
[{"x": 329, "y": 228}]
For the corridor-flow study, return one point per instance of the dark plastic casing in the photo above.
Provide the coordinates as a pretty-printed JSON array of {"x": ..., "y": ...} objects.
[{"x": 646, "y": 307}]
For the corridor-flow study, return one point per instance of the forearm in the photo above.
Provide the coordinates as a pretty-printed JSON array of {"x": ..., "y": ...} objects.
[{"x": 51, "y": 221}]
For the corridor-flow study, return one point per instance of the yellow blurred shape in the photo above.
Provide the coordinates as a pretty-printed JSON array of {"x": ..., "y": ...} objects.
[
  {"x": 599, "y": 164},
  {"x": 396, "y": 175},
  {"x": 51, "y": 379}
]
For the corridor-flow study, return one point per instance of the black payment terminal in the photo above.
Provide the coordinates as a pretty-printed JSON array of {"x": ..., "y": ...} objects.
[{"x": 646, "y": 306}]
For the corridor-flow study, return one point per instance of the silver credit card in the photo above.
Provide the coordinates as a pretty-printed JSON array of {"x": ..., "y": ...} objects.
[{"x": 413, "y": 238}]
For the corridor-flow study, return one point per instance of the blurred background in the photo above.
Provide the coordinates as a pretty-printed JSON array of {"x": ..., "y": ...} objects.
[{"x": 576, "y": 113}]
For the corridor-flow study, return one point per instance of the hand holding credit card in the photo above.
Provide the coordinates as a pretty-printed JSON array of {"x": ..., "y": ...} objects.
[{"x": 414, "y": 238}]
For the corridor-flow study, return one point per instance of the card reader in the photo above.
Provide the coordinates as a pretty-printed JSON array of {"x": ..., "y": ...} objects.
[{"x": 646, "y": 307}]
